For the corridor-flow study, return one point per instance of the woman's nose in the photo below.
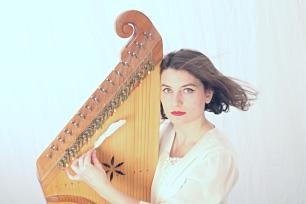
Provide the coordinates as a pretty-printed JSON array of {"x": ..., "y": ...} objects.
[{"x": 178, "y": 99}]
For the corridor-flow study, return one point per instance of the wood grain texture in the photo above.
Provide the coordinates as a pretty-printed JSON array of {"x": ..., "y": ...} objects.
[{"x": 131, "y": 153}]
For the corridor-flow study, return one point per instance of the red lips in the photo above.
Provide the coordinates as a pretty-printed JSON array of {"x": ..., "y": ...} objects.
[{"x": 178, "y": 113}]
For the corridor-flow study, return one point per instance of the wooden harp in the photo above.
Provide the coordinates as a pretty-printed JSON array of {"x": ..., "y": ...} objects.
[{"x": 131, "y": 92}]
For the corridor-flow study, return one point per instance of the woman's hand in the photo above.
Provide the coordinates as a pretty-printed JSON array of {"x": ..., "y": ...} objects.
[{"x": 88, "y": 169}]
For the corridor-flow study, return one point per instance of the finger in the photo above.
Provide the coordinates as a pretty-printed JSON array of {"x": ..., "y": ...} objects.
[
  {"x": 87, "y": 159},
  {"x": 94, "y": 157},
  {"x": 95, "y": 160},
  {"x": 72, "y": 177},
  {"x": 75, "y": 166},
  {"x": 81, "y": 161}
]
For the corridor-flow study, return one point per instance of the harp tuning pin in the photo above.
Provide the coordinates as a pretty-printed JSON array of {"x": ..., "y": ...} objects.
[
  {"x": 78, "y": 143},
  {"x": 68, "y": 132},
  {"x": 98, "y": 119},
  {"x": 124, "y": 63},
  {"x": 65, "y": 158},
  {"x": 74, "y": 149},
  {"x": 75, "y": 124},
  {"x": 49, "y": 155},
  {"x": 85, "y": 139},
  {"x": 61, "y": 139},
  {"x": 88, "y": 107},
  {"x": 114, "y": 104},
  {"x": 54, "y": 147},
  {"x": 76, "y": 146},
  {"x": 133, "y": 54},
  {"x": 103, "y": 90},
  {"x": 61, "y": 164},
  {"x": 139, "y": 44},
  {"x": 118, "y": 73},
  {"x": 81, "y": 115},
  {"x": 110, "y": 81},
  {"x": 95, "y": 99},
  {"x": 71, "y": 153},
  {"x": 141, "y": 74},
  {"x": 147, "y": 34}
]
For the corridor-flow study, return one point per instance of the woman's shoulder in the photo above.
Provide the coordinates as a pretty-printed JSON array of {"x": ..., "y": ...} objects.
[
  {"x": 215, "y": 152},
  {"x": 220, "y": 140},
  {"x": 218, "y": 143}
]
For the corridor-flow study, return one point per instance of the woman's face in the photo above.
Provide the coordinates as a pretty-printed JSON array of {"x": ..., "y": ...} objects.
[{"x": 183, "y": 96}]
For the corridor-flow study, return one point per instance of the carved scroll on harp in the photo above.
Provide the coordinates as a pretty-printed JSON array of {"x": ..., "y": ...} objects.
[{"x": 129, "y": 92}]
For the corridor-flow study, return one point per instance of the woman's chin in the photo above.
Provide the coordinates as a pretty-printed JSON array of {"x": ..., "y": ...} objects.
[{"x": 177, "y": 120}]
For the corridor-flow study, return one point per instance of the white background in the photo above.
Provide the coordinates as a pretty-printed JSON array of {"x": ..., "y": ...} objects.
[{"x": 54, "y": 54}]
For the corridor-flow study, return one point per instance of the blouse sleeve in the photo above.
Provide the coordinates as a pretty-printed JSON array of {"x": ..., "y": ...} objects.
[{"x": 209, "y": 182}]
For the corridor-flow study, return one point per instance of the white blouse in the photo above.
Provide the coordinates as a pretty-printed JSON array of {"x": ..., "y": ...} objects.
[{"x": 206, "y": 174}]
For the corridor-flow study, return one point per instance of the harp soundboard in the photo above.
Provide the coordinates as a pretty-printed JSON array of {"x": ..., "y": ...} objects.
[{"x": 130, "y": 92}]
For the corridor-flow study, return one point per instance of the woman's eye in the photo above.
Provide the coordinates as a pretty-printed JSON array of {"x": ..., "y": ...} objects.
[
  {"x": 188, "y": 90},
  {"x": 166, "y": 90}
]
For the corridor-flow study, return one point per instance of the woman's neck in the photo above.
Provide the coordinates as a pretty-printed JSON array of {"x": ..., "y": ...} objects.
[{"x": 191, "y": 132}]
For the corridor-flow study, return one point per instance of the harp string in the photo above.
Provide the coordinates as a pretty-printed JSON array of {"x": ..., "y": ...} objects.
[{"x": 116, "y": 100}]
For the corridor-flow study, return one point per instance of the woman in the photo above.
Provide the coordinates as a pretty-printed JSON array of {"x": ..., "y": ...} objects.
[{"x": 196, "y": 162}]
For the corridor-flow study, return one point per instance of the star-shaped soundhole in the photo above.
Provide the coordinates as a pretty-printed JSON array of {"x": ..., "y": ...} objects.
[{"x": 112, "y": 168}]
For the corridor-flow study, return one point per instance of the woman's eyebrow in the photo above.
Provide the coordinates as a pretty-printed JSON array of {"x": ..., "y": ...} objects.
[
  {"x": 190, "y": 84},
  {"x": 165, "y": 85}
]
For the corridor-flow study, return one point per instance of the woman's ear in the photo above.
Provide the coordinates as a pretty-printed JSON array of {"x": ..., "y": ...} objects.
[{"x": 209, "y": 93}]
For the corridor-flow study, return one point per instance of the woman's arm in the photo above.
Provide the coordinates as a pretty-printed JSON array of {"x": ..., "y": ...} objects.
[{"x": 89, "y": 170}]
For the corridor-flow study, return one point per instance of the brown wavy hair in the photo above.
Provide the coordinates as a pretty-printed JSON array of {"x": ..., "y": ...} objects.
[{"x": 227, "y": 91}]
